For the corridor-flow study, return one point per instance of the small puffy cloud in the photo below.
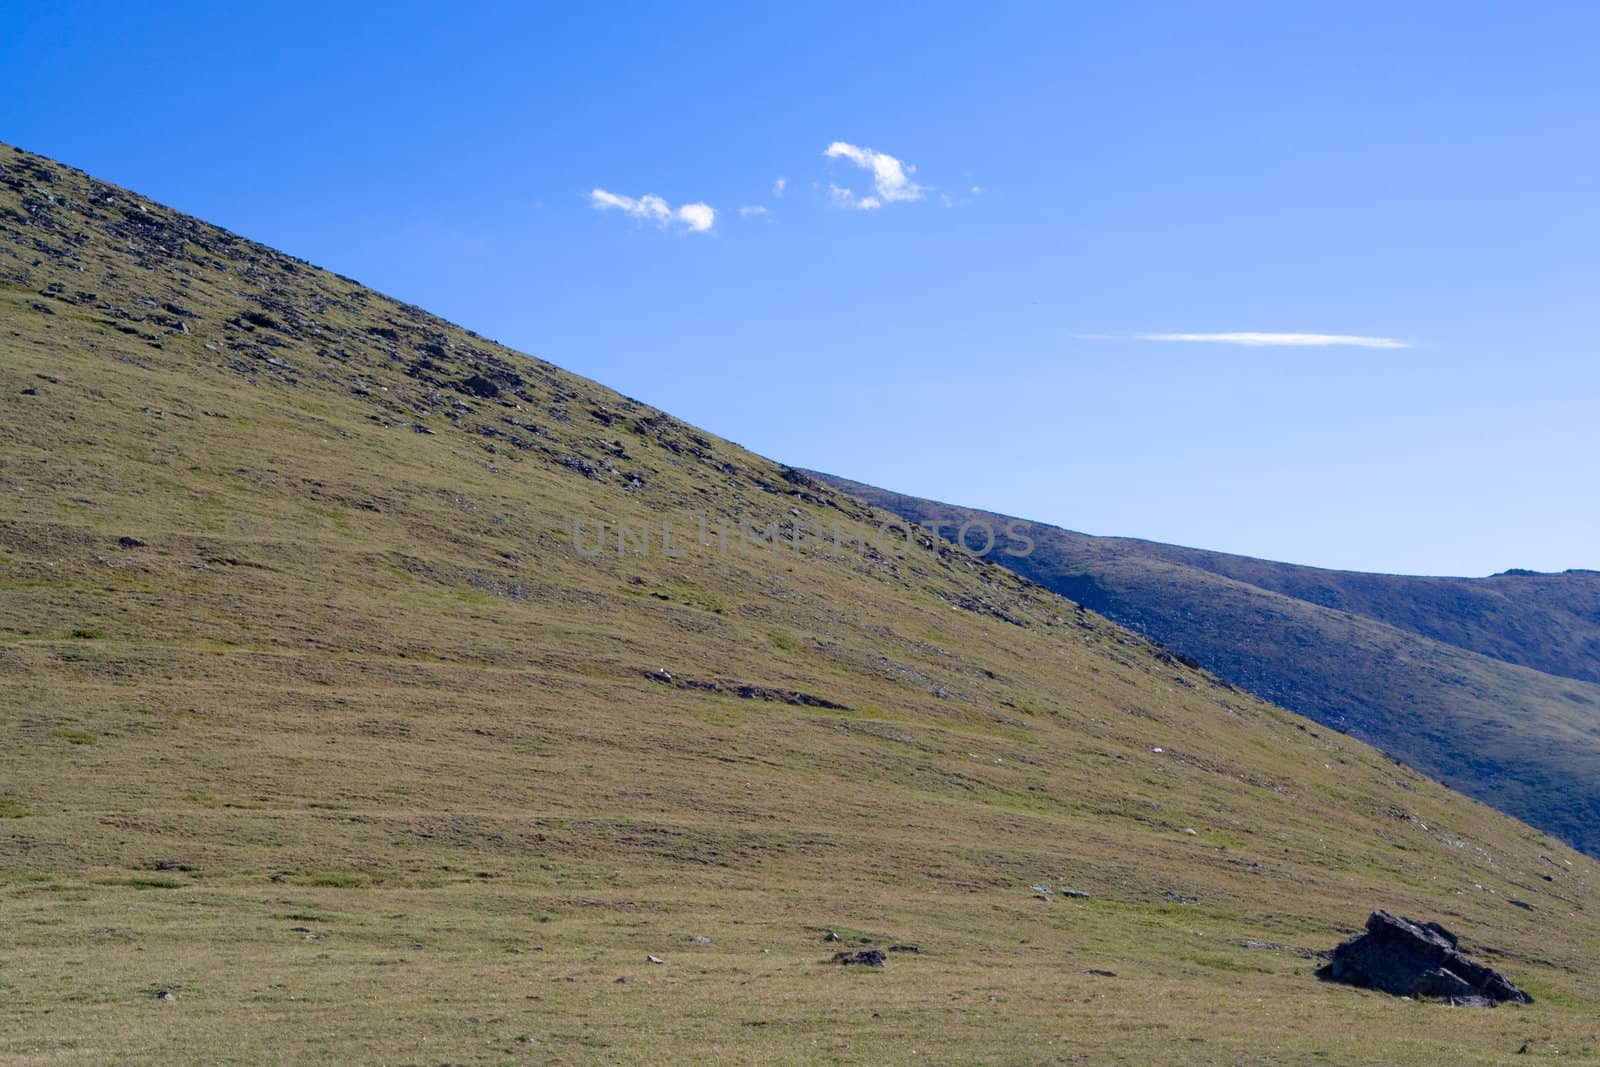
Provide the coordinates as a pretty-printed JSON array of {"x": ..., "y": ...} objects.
[
  {"x": 779, "y": 186},
  {"x": 891, "y": 178},
  {"x": 750, "y": 210},
  {"x": 1263, "y": 340},
  {"x": 699, "y": 217},
  {"x": 696, "y": 217}
]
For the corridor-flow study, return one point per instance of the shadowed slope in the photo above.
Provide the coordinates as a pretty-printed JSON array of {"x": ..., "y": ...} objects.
[{"x": 1549, "y": 622}]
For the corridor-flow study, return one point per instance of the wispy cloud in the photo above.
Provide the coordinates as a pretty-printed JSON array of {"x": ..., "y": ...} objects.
[
  {"x": 1267, "y": 340},
  {"x": 891, "y": 178},
  {"x": 696, "y": 218},
  {"x": 750, "y": 210},
  {"x": 779, "y": 186}
]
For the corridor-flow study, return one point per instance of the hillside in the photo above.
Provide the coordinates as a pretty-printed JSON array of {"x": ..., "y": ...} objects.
[
  {"x": 1439, "y": 672},
  {"x": 1549, "y": 622},
  {"x": 323, "y": 740}
]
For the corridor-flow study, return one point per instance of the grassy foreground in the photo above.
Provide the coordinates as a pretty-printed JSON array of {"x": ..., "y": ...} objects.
[{"x": 314, "y": 717}]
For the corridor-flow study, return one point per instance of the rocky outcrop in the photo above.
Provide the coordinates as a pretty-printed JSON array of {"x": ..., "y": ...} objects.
[{"x": 1412, "y": 959}]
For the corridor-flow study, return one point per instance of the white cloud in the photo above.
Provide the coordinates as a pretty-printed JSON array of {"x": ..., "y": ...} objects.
[
  {"x": 699, "y": 217},
  {"x": 779, "y": 186},
  {"x": 752, "y": 209},
  {"x": 696, "y": 217},
  {"x": 891, "y": 179},
  {"x": 645, "y": 207},
  {"x": 1261, "y": 340}
]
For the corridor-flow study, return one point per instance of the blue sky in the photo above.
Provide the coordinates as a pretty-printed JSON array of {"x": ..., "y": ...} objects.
[{"x": 1085, "y": 177}]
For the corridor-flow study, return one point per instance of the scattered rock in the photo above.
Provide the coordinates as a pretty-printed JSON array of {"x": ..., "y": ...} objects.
[
  {"x": 166, "y": 996},
  {"x": 1523, "y": 904},
  {"x": 905, "y": 948},
  {"x": 624, "y": 980},
  {"x": 831, "y": 936},
  {"x": 655, "y": 959},
  {"x": 130, "y": 542},
  {"x": 30, "y": 391},
  {"x": 266, "y": 322},
  {"x": 870, "y": 957},
  {"x": 700, "y": 939},
  {"x": 478, "y": 385},
  {"x": 1046, "y": 892},
  {"x": 783, "y": 696},
  {"x": 1100, "y": 974},
  {"x": 1412, "y": 959}
]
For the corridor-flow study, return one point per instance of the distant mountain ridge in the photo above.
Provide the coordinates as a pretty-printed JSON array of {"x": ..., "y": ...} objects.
[
  {"x": 1547, "y": 621},
  {"x": 1489, "y": 684}
]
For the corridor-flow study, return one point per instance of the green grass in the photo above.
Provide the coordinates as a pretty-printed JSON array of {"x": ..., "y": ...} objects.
[
  {"x": 77, "y": 737},
  {"x": 12, "y": 808},
  {"x": 336, "y": 879},
  {"x": 139, "y": 883},
  {"x": 381, "y": 673}
]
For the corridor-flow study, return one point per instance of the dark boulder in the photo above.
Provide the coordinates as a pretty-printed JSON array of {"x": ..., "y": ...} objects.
[
  {"x": 866, "y": 958},
  {"x": 479, "y": 386},
  {"x": 1412, "y": 959}
]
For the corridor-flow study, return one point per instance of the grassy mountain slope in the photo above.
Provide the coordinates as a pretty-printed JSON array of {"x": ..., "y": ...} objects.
[
  {"x": 1549, "y": 622},
  {"x": 1351, "y": 651},
  {"x": 313, "y": 715}
]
